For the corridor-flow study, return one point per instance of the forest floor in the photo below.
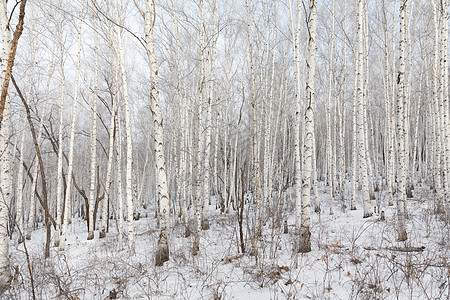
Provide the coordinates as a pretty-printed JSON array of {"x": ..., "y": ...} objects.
[{"x": 351, "y": 258}]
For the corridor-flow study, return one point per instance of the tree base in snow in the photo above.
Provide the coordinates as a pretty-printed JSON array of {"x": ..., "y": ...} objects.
[
  {"x": 409, "y": 194},
  {"x": 305, "y": 241},
  {"x": 90, "y": 236},
  {"x": 102, "y": 234},
  {"x": 205, "y": 224},
  {"x": 187, "y": 232},
  {"x": 162, "y": 254},
  {"x": 402, "y": 236},
  {"x": 195, "y": 246},
  {"x": 368, "y": 214}
]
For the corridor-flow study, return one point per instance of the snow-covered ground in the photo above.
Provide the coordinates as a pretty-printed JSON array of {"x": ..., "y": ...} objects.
[{"x": 351, "y": 258}]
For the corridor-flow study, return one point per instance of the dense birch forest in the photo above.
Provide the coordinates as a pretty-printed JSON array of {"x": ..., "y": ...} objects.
[{"x": 234, "y": 149}]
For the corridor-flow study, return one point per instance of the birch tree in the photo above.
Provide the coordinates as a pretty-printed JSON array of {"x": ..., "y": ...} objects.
[
  {"x": 162, "y": 252},
  {"x": 308, "y": 146},
  {"x": 401, "y": 197},
  {"x": 360, "y": 115},
  {"x": 93, "y": 139},
  {"x": 199, "y": 137},
  {"x": 444, "y": 98},
  {"x": 255, "y": 136},
  {"x": 298, "y": 120},
  {"x": 68, "y": 196},
  {"x": 435, "y": 110},
  {"x": 129, "y": 142},
  {"x": 112, "y": 129},
  {"x": 20, "y": 187},
  {"x": 7, "y": 62},
  {"x": 331, "y": 179},
  {"x": 59, "y": 180},
  {"x": 119, "y": 183}
]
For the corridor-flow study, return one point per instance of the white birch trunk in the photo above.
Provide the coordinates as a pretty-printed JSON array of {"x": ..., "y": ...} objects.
[
  {"x": 92, "y": 194},
  {"x": 298, "y": 114},
  {"x": 392, "y": 117},
  {"x": 305, "y": 233},
  {"x": 129, "y": 161},
  {"x": 388, "y": 100},
  {"x": 67, "y": 208},
  {"x": 225, "y": 186},
  {"x": 355, "y": 140},
  {"x": 314, "y": 184},
  {"x": 119, "y": 178},
  {"x": 216, "y": 163},
  {"x": 367, "y": 206},
  {"x": 184, "y": 165},
  {"x": 370, "y": 177},
  {"x": 401, "y": 197},
  {"x": 162, "y": 253},
  {"x": 112, "y": 135},
  {"x": 255, "y": 138},
  {"x": 436, "y": 115},
  {"x": 107, "y": 187},
  {"x": 331, "y": 179},
  {"x": 5, "y": 172},
  {"x": 183, "y": 144},
  {"x": 19, "y": 200},
  {"x": 200, "y": 141},
  {"x": 330, "y": 146},
  {"x": 341, "y": 117},
  {"x": 32, "y": 213},
  {"x": 445, "y": 100},
  {"x": 59, "y": 180},
  {"x": 209, "y": 99}
]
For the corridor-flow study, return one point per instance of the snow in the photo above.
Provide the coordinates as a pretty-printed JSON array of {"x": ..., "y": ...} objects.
[{"x": 351, "y": 258}]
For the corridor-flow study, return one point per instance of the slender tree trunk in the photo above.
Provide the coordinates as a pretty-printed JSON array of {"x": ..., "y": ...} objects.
[
  {"x": 162, "y": 253},
  {"x": 129, "y": 140},
  {"x": 298, "y": 114},
  {"x": 200, "y": 140},
  {"x": 107, "y": 188},
  {"x": 92, "y": 193},
  {"x": 59, "y": 180},
  {"x": 435, "y": 109},
  {"x": 401, "y": 197},
  {"x": 308, "y": 155},
  {"x": 255, "y": 139},
  {"x": 7, "y": 62},
  {"x": 68, "y": 196},
  {"x": 360, "y": 116},
  {"x": 388, "y": 100},
  {"x": 331, "y": 179},
  {"x": 355, "y": 151},
  {"x": 119, "y": 177},
  {"x": 19, "y": 200},
  {"x": 444, "y": 99},
  {"x": 209, "y": 99}
]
